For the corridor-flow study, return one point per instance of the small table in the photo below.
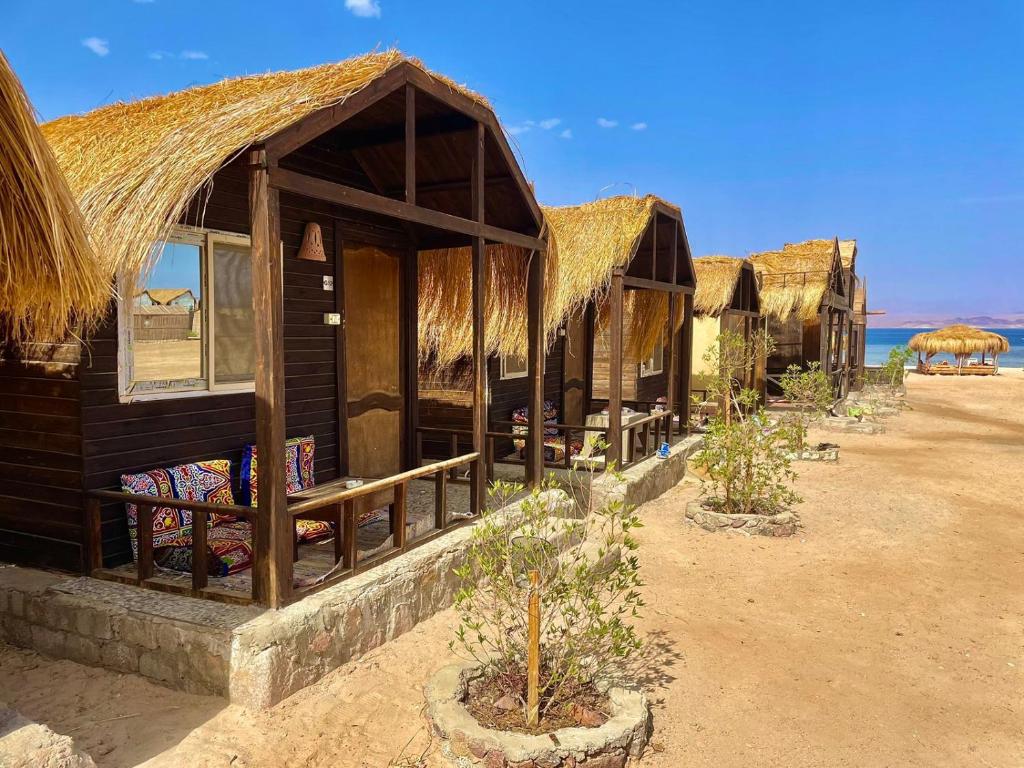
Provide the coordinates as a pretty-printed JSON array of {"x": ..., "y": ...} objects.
[
  {"x": 335, "y": 512},
  {"x": 602, "y": 420}
]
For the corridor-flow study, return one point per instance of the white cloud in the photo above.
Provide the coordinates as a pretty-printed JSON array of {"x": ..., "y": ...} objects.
[
  {"x": 550, "y": 123},
  {"x": 639, "y": 126},
  {"x": 159, "y": 55},
  {"x": 196, "y": 56},
  {"x": 367, "y": 9},
  {"x": 188, "y": 55},
  {"x": 97, "y": 45},
  {"x": 604, "y": 122},
  {"x": 515, "y": 130},
  {"x": 566, "y": 134}
]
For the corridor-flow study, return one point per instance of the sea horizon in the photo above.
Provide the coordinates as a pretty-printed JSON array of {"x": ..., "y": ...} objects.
[{"x": 881, "y": 340}]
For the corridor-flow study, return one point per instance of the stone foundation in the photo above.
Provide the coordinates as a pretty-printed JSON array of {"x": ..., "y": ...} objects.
[
  {"x": 826, "y": 454},
  {"x": 782, "y": 524},
  {"x": 649, "y": 478},
  {"x": 466, "y": 743},
  {"x": 850, "y": 425}
]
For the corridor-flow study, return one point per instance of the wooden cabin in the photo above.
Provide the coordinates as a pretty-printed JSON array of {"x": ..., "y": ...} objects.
[
  {"x": 387, "y": 160},
  {"x": 804, "y": 297},
  {"x": 726, "y": 299},
  {"x": 623, "y": 263}
]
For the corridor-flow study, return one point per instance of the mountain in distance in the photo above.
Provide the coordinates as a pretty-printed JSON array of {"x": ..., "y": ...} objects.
[{"x": 1012, "y": 320}]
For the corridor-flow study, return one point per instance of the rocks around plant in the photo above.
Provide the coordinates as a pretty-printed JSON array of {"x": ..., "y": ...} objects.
[
  {"x": 466, "y": 742},
  {"x": 821, "y": 452},
  {"x": 777, "y": 525}
]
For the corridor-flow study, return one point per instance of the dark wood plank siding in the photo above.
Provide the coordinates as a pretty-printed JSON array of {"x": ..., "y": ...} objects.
[{"x": 40, "y": 460}]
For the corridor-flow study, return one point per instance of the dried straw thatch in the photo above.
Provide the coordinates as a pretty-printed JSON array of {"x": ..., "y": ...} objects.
[
  {"x": 960, "y": 341},
  {"x": 717, "y": 278},
  {"x": 446, "y": 302},
  {"x": 796, "y": 279},
  {"x": 134, "y": 167},
  {"x": 50, "y": 281},
  {"x": 593, "y": 240}
]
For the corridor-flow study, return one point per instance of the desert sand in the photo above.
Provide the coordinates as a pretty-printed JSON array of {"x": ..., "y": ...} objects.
[{"x": 889, "y": 632}]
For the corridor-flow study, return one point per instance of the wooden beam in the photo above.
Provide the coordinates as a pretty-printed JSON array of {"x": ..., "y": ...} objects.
[
  {"x": 272, "y": 571},
  {"x": 340, "y": 356},
  {"x": 410, "y": 355},
  {"x": 654, "y": 248},
  {"x": 589, "y": 324},
  {"x": 535, "y": 368},
  {"x": 309, "y": 128},
  {"x": 685, "y": 362},
  {"x": 615, "y": 448},
  {"x": 340, "y": 194},
  {"x": 410, "y": 145},
  {"x": 478, "y": 489},
  {"x": 655, "y": 285},
  {"x": 673, "y": 353}
]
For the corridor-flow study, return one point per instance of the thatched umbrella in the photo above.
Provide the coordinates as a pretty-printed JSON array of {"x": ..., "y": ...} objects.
[
  {"x": 961, "y": 341},
  {"x": 796, "y": 279},
  {"x": 716, "y": 283},
  {"x": 51, "y": 284}
]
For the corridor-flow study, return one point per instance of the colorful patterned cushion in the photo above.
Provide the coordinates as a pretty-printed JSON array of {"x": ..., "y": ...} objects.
[
  {"x": 521, "y": 415},
  {"x": 228, "y": 547},
  {"x": 298, "y": 452},
  {"x": 312, "y": 530},
  {"x": 207, "y": 481}
]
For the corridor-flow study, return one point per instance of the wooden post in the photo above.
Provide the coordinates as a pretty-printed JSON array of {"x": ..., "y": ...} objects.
[
  {"x": 478, "y": 479},
  {"x": 340, "y": 358},
  {"x": 401, "y": 515},
  {"x": 410, "y": 145},
  {"x": 199, "y": 554},
  {"x": 351, "y": 535},
  {"x": 672, "y": 352},
  {"x": 272, "y": 569},
  {"x": 589, "y": 322},
  {"x": 410, "y": 355},
  {"x": 535, "y": 368},
  {"x": 144, "y": 538},
  {"x": 92, "y": 556},
  {"x": 686, "y": 363},
  {"x": 441, "y": 500},
  {"x": 615, "y": 448},
  {"x": 533, "y": 652}
]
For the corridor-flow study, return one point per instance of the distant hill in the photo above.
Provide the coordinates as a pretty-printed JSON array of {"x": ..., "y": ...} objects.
[{"x": 1014, "y": 320}]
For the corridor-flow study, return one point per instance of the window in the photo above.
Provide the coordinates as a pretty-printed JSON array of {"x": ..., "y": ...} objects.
[
  {"x": 188, "y": 325},
  {"x": 513, "y": 367},
  {"x": 655, "y": 364}
]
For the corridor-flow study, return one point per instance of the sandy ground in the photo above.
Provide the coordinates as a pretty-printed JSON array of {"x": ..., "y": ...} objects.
[{"x": 889, "y": 633}]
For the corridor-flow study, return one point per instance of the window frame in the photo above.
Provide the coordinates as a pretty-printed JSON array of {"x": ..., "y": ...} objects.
[
  {"x": 128, "y": 389},
  {"x": 507, "y": 375},
  {"x": 646, "y": 370}
]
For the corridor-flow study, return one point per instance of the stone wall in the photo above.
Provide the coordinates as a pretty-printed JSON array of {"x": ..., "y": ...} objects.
[
  {"x": 117, "y": 626},
  {"x": 649, "y": 478}
]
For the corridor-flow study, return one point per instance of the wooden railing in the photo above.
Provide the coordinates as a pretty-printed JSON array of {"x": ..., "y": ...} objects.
[
  {"x": 341, "y": 508},
  {"x": 343, "y": 502},
  {"x": 144, "y": 569}
]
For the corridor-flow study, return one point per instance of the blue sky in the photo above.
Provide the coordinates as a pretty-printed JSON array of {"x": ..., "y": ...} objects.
[{"x": 900, "y": 124}]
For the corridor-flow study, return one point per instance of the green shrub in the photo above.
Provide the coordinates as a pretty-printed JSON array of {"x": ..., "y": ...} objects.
[{"x": 810, "y": 393}]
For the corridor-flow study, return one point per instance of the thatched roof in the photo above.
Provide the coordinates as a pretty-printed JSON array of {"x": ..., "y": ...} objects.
[
  {"x": 593, "y": 240},
  {"x": 796, "y": 279},
  {"x": 166, "y": 295},
  {"x": 446, "y": 302},
  {"x": 135, "y": 166},
  {"x": 50, "y": 282},
  {"x": 717, "y": 278},
  {"x": 959, "y": 340},
  {"x": 848, "y": 254}
]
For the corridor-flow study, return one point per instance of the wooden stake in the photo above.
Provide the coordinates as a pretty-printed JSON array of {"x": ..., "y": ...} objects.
[{"x": 533, "y": 653}]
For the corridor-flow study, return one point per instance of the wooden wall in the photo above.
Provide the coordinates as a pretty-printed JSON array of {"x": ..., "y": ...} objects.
[
  {"x": 789, "y": 343},
  {"x": 41, "y": 458}
]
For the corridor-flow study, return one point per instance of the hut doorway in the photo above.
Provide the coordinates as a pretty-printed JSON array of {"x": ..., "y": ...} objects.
[{"x": 373, "y": 375}]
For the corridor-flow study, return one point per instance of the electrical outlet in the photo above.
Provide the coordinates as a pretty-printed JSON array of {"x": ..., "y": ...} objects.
[{"x": 332, "y": 318}]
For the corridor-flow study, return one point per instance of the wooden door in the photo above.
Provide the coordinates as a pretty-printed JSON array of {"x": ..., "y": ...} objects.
[
  {"x": 574, "y": 370},
  {"x": 373, "y": 361}
]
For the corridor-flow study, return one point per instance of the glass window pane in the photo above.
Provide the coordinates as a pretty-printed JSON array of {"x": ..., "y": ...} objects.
[
  {"x": 167, "y": 320},
  {"x": 234, "y": 354}
]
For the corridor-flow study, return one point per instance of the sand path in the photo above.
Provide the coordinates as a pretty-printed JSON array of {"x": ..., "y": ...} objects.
[{"x": 889, "y": 633}]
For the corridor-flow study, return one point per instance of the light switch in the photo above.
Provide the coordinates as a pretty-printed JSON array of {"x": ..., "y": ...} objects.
[{"x": 332, "y": 318}]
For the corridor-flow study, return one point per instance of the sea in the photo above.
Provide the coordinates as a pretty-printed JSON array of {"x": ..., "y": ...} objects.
[{"x": 881, "y": 340}]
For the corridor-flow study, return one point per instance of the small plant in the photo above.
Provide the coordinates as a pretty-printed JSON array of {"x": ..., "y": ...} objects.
[
  {"x": 744, "y": 456},
  {"x": 855, "y": 411},
  {"x": 894, "y": 370},
  {"x": 810, "y": 393},
  {"x": 587, "y": 601}
]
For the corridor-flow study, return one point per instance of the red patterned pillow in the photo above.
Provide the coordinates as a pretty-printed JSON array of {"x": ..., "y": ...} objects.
[{"x": 207, "y": 481}]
